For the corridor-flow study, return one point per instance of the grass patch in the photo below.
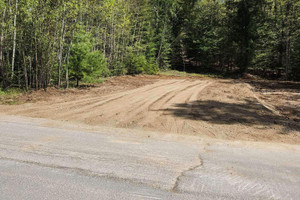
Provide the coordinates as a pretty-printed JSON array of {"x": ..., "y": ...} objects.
[
  {"x": 10, "y": 92},
  {"x": 92, "y": 80},
  {"x": 9, "y": 96},
  {"x": 85, "y": 82},
  {"x": 186, "y": 74}
]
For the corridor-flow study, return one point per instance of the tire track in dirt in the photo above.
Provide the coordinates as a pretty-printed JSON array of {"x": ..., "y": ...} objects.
[
  {"x": 133, "y": 93},
  {"x": 159, "y": 108},
  {"x": 71, "y": 109},
  {"x": 127, "y": 110},
  {"x": 208, "y": 107},
  {"x": 196, "y": 111},
  {"x": 192, "y": 125},
  {"x": 183, "y": 126},
  {"x": 83, "y": 102},
  {"x": 94, "y": 111},
  {"x": 163, "y": 99},
  {"x": 130, "y": 93}
]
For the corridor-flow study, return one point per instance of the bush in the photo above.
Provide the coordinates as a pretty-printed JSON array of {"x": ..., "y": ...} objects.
[
  {"x": 95, "y": 65},
  {"x": 84, "y": 63},
  {"x": 80, "y": 49},
  {"x": 117, "y": 68},
  {"x": 138, "y": 64},
  {"x": 134, "y": 64},
  {"x": 10, "y": 92},
  {"x": 151, "y": 69}
]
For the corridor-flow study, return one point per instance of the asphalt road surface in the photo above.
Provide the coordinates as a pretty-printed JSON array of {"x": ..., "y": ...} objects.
[{"x": 38, "y": 161}]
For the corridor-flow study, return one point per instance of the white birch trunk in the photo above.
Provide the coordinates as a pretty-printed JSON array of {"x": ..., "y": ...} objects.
[{"x": 14, "y": 42}]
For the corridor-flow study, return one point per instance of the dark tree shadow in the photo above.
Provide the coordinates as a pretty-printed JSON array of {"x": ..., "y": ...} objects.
[
  {"x": 276, "y": 85},
  {"x": 249, "y": 113}
]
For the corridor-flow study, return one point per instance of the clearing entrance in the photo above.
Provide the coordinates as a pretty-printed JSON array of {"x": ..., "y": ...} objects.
[{"x": 217, "y": 108}]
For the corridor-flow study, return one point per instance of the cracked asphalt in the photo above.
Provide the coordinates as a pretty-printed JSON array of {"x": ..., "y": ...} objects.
[{"x": 38, "y": 161}]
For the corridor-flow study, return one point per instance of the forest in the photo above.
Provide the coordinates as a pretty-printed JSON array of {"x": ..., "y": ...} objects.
[{"x": 60, "y": 43}]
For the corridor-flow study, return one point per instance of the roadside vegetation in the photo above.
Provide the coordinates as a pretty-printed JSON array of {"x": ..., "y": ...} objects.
[
  {"x": 66, "y": 43},
  {"x": 177, "y": 73},
  {"x": 10, "y": 95},
  {"x": 10, "y": 92}
]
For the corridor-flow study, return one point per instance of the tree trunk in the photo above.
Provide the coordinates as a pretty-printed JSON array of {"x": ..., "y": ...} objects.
[
  {"x": 1, "y": 48},
  {"x": 61, "y": 43},
  {"x": 287, "y": 58},
  {"x": 14, "y": 42},
  {"x": 30, "y": 73},
  {"x": 281, "y": 47},
  {"x": 36, "y": 67},
  {"x": 104, "y": 42},
  {"x": 288, "y": 40},
  {"x": 161, "y": 43},
  {"x": 67, "y": 65},
  {"x": 25, "y": 71},
  {"x": 1, "y": 56}
]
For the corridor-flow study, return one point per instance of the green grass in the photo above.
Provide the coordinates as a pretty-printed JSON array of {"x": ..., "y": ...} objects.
[
  {"x": 185, "y": 74},
  {"x": 9, "y": 96},
  {"x": 85, "y": 82},
  {"x": 10, "y": 92},
  {"x": 91, "y": 80}
]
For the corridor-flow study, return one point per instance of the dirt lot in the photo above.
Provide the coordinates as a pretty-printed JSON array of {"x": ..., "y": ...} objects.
[{"x": 225, "y": 109}]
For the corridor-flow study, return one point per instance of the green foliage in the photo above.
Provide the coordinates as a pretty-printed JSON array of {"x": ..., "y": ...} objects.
[
  {"x": 2, "y": 93},
  {"x": 119, "y": 68},
  {"x": 134, "y": 63},
  {"x": 84, "y": 63},
  {"x": 80, "y": 50},
  {"x": 185, "y": 74},
  {"x": 295, "y": 59},
  {"x": 95, "y": 65},
  {"x": 203, "y": 34},
  {"x": 138, "y": 64},
  {"x": 151, "y": 68},
  {"x": 57, "y": 40},
  {"x": 10, "y": 92},
  {"x": 9, "y": 96}
]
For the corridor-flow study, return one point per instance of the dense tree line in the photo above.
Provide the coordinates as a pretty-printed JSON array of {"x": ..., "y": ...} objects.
[
  {"x": 53, "y": 42},
  {"x": 257, "y": 35}
]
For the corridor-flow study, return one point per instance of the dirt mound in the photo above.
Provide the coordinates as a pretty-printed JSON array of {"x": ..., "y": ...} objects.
[
  {"x": 224, "y": 109},
  {"x": 248, "y": 76}
]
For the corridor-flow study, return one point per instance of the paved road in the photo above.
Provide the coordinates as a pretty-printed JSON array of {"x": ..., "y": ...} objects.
[{"x": 40, "y": 162}]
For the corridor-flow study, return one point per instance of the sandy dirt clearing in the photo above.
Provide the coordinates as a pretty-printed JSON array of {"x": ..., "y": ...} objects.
[{"x": 223, "y": 109}]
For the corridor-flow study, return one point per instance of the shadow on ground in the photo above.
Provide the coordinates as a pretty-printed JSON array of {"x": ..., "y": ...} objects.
[
  {"x": 249, "y": 113},
  {"x": 276, "y": 85}
]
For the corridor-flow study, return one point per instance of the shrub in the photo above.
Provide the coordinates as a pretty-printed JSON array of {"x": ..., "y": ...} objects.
[
  {"x": 95, "y": 65},
  {"x": 79, "y": 51},
  {"x": 119, "y": 68},
  {"x": 84, "y": 63},
  {"x": 138, "y": 64},
  {"x": 151, "y": 69}
]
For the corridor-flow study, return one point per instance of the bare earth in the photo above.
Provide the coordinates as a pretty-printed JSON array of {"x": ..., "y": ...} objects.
[{"x": 223, "y": 109}]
